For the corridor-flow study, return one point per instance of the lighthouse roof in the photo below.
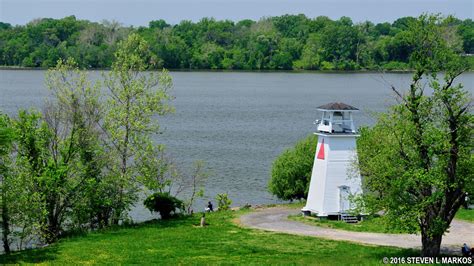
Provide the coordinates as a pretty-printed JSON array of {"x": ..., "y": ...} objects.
[{"x": 337, "y": 106}]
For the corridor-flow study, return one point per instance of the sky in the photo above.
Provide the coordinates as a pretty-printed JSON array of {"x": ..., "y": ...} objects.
[{"x": 140, "y": 12}]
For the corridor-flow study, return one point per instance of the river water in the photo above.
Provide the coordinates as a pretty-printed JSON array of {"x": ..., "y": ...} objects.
[{"x": 238, "y": 122}]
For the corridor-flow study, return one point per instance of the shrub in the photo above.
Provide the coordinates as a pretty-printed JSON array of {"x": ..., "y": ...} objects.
[
  {"x": 163, "y": 203},
  {"x": 291, "y": 171},
  {"x": 395, "y": 65},
  {"x": 223, "y": 202},
  {"x": 325, "y": 65}
]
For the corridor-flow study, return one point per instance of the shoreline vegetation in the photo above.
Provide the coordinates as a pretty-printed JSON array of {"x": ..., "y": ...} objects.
[
  {"x": 240, "y": 70},
  {"x": 279, "y": 43}
]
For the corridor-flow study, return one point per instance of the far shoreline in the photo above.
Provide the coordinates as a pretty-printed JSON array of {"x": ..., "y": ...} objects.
[
  {"x": 235, "y": 70},
  {"x": 359, "y": 71}
]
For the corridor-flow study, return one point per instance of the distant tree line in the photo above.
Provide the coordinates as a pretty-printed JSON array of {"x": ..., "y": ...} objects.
[
  {"x": 88, "y": 157},
  {"x": 284, "y": 42}
]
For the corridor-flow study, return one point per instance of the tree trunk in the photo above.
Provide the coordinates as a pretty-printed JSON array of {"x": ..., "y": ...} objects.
[
  {"x": 53, "y": 231},
  {"x": 52, "y": 221},
  {"x": 5, "y": 227},
  {"x": 431, "y": 245}
]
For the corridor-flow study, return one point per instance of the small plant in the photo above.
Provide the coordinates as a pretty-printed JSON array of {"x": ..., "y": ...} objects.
[
  {"x": 223, "y": 202},
  {"x": 163, "y": 203}
]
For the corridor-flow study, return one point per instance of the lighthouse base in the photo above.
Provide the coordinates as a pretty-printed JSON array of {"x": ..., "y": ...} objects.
[
  {"x": 345, "y": 217},
  {"x": 308, "y": 212}
]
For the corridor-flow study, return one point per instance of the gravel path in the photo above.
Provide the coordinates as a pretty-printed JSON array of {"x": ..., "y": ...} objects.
[{"x": 276, "y": 219}]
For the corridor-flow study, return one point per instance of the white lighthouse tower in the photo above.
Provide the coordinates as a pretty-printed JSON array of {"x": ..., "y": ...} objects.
[{"x": 333, "y": 179}]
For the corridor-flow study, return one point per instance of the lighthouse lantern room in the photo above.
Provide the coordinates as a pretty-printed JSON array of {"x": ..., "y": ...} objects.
[{"x": 333, "y": 179}]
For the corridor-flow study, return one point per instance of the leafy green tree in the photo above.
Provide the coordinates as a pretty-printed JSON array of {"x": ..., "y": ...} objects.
[
  {"x": 291, "y": 171},
  {"x": 6, "y": 139},
  {"x": 289, "y": 49},
  {"x": 399, "y": 48},
  {"x": 223, "y": 202},
  {"x": 310, "y": 58},
  {"x": 78, "y": 103},
  {"x": 403, "y": 23},
  {"x": 4, "y": 26},
  {"x": 466, "y": 31},
  {"x": 21, "y": 211},
  {"x": 339, "y": 43},
  {"x": 34, "y": 138},
  {"x": 65, "y": 133},
  {"x": 209, "y": 56},
  {"x": 55, "y": 159},
  {"x": 172, "y": 49},
  {"x": 382, "y": 29},
  {"x": 292, "y": 26},
  {"x": 417, "y": 160},
  {"x": 135, "y": 99},
  {"x": 159, "y": 24}
]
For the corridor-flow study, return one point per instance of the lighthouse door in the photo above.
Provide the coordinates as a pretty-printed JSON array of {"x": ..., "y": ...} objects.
[{"x": 344, "y": 201}]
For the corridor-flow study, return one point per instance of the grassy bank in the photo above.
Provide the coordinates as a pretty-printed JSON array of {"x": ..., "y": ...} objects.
[
  {"x": 466, "y": 215},
  {"x": 181, "y": 241},
  {"x": 373, "y": 224}
]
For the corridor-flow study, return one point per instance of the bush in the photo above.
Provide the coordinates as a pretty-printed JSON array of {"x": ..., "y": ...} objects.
[
  {"x": 223, "y": 202},
  {"x": 395, "y": 65},
  {"x": 163, "y": 203},
  {"x": 325, "y": 65},
  {"x": 291, "y": 171}
]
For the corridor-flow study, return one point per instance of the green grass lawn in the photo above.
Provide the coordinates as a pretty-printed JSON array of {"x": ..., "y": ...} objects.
[
  {"x": 372, "y": 224},
  {"x": 466, "y": 215},
  {"x": 180, "y": 241}
]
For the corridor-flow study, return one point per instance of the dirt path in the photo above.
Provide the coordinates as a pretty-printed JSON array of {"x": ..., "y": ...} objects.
[{"x": 276, "y": 219}]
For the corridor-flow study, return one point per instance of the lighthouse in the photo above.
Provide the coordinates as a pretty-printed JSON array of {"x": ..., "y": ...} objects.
[{"x": 334, "y": 180}]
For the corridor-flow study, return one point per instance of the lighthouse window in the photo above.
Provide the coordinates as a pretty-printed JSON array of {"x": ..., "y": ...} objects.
[{"x": 338, "y": 116}]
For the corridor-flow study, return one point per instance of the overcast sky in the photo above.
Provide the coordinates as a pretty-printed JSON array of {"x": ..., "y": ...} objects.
[{"x": 140, "y": 12}]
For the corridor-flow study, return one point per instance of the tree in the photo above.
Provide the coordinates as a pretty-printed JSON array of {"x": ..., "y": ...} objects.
[
  {"x": 310, "y": 56},
  {"x": 289, "y": 49},
  {"x": 33, "y": 138},
  {"x": 193, "y": 183},
  {"x": 159, "y": 24},
  {"x": 76, "y": 111},
  {"x": 158, "y": 173},
  {"x": 339, "y": 42},
  {"x": 6, "y": 139},
  {"x": 466, "y": 31},
  {"x": 59, "y": 148},
  {"x": 5, "y": 26},
  {"x": 21, "y": 212},
  {"x": 223, "y": 202},
  {"x": 292, "y": 26},
  {"x": 291, "y": 171},
  {"x": 417, "y": 159},
  {"x": 135, "y": 99}
]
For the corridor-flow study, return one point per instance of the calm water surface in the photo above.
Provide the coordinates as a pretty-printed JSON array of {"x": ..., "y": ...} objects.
[{"x": 238, "y": 122}]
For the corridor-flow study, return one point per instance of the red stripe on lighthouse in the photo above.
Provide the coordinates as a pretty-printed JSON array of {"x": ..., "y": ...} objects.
[{"x": 321, "y": 151}]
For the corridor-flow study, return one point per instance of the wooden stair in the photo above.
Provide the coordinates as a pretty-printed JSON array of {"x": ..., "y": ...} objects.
[{"x": 348, "y": 218}]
